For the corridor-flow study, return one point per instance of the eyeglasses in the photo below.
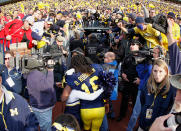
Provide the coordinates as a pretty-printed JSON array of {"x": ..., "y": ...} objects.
[
  {"x": 30, "y": 24},
  {"x": 7, "y": 58}
]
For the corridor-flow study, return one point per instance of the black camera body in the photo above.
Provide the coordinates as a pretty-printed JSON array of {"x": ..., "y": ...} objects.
[
  {"x": 35, "y": 61},
  {"x": 143, "y": 55},
  {"x": 174, "y": 121},
  {"x": 160, "y": 23},
  {"x": 137, "y": 3}
]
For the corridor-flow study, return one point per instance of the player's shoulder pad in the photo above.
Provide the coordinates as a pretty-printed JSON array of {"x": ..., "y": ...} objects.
[{"x": 70, "y": 71}]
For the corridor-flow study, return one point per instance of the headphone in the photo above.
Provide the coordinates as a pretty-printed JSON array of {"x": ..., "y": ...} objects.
[{"x": 161, "y": 52}]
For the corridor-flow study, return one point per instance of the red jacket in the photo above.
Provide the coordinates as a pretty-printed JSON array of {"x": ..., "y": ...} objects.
[
  {"x": 2, "y": 39},
  {"x": 2, "y": 35},
  {"x": 14, "y": 28}
]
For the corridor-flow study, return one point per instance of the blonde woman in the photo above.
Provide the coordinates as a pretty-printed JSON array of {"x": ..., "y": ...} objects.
[{"x": 157, "y": 98}]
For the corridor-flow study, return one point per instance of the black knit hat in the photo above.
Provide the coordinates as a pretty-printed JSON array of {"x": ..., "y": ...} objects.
[{"x": 135, "y": 41}]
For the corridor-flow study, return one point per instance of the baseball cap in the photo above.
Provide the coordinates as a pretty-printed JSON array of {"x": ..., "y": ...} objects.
[
  {"x": 132, "y": 16},
  {"x": 139, "y": 20},
  {"x": 171, "y": 15},
  {"x": 49, "y": 20},
  {"x": 30, "y": 19},
  {"x": 179, "y": 18}
]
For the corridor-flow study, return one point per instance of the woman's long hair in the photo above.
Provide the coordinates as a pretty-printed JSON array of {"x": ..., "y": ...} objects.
[
  {"x": 81, "y": 64},
  {"x": 154, "y": 87},
  {"x": 68, "y": 120}
]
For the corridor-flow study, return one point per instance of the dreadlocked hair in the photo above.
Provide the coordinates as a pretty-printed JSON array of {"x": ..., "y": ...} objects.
[{"x": 81, "y": 64}]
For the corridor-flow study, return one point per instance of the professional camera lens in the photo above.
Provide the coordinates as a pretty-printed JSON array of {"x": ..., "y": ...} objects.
[
  {"x": 137, "y": 3},
  {"x": 173, "y": 120}
]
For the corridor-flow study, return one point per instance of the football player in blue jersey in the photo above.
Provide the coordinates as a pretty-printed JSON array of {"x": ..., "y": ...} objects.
[{"x": 85, "y": 78}]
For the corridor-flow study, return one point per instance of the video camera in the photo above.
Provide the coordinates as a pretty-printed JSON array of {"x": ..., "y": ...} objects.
[
  {"x": 160, "y": 23},
  {"x": 142, "y": 55},
  {"x": 35, "y": 61},
  {"x": 174, "y": 121}
]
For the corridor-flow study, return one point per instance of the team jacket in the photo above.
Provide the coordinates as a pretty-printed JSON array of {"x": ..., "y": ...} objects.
[
  {"x": 18, "y": 115},
  {"x": 162, "y": 105}
]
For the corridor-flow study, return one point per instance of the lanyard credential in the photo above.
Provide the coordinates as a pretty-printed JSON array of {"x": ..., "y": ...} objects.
[
  {"x": 149, "y": 111},
  {"x": 152, "y": 105}
]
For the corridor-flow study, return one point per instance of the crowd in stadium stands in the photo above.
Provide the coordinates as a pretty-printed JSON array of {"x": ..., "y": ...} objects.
[{"x": 86, "y": 53}]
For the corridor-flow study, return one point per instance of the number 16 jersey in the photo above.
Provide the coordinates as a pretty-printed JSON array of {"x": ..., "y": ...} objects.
[{"x": 88, "y": 83}]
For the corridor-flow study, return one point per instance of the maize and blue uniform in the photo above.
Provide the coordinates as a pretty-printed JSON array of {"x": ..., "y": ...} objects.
[
  {"x": 92, "y": 112},
  {"x": 73, "y": 102},
  {"x": 59, "y": 127}
]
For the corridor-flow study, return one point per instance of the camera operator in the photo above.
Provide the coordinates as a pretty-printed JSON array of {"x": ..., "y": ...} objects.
[
  {"x": 130, "y": 78},
  {"x": 42, "y": 96}
]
